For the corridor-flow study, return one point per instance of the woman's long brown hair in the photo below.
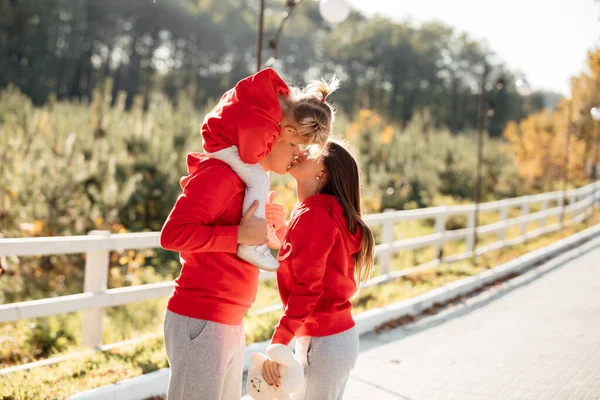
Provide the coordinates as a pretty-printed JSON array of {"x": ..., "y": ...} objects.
[{"x": 343, "y": 182}]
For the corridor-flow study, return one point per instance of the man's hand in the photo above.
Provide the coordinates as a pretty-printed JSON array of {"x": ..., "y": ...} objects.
[{"x": 252, "y": 230}]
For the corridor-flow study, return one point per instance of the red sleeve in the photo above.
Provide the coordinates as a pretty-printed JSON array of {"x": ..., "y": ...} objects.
[
  {"x": 189, "y": 226},
  {"x": 256, "y": 142},
  {"x": 312, "y": 238}
]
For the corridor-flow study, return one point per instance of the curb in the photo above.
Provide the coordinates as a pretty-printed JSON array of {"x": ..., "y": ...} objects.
[
  {"x": 155, "y": 383},
  {"x": 140, "y": 387}
]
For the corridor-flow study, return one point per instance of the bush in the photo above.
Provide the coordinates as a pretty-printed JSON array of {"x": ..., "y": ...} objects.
[{"x": 410, "y": 167}]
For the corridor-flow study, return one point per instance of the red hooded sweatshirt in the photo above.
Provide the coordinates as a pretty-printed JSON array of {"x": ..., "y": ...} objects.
[
  {"x": 214, "y": 283},
  {"x": 316, "y": 274},
  {"x": 247, "y": 116}
]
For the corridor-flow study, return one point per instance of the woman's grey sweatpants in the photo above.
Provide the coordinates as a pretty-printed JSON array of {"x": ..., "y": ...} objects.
[
  {"x": 327, "y": 362},
  {"x": 206, "y": 358}
]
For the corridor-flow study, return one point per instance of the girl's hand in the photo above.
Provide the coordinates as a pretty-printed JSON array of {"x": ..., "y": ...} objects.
[
  {"x": 270, "y": 371},
  {"x": 274, "y": 213}
]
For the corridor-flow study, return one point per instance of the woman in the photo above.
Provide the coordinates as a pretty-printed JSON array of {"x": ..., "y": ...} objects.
[
  {"x": 203, "y": 330},
  {"x": 326, "y": 250}
]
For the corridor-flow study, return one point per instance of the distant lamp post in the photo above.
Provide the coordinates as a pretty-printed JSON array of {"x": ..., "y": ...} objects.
[
  {"x": 486, "y": 110},
  {"x": 595, "y": 113},
  {"x": 565, "y": 177},
  {"x": 332, "y": 11},
  {"x": 483, "y": 113}
]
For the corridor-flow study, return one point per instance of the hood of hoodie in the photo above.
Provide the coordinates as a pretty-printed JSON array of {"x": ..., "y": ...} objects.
[
  {"x": 194, "y": 160},
  {"x": 258, "y": 93},
  {"x": 337, "y": 213},
  {"x": 247, "y": 116}
]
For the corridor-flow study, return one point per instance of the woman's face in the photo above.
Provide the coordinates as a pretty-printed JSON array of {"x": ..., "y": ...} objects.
[
  {"x": 282, "y": 156},
  {"x": 308, "y": 169}
]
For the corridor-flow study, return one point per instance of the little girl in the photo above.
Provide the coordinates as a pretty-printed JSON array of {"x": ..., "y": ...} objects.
[{"x": 259, "y": 111}]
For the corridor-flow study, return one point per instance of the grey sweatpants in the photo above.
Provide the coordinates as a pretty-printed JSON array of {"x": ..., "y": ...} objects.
[
  {"x": 206, "y": 358},
  {"x": 327, "y": 362}
]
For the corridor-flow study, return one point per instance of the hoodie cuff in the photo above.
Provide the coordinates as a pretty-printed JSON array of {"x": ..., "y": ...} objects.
[
  {"x": 281, "y": 336},
  {"x": 226, "y": 239}
]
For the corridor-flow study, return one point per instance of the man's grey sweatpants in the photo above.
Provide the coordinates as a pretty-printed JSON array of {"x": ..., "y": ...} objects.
[
  {"x": 327, "y": 362},
  {"x": 206, "y": 358}
]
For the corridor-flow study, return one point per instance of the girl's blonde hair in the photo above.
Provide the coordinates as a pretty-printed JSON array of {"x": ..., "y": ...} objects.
[{"x": 311, "y": 110}]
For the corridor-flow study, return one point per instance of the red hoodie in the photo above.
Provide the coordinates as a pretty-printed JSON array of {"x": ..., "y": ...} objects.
[
  {"x": 214, "y": 283},
  {"x": 316, "y": 276},
  {"x": 247, "y": 116}
]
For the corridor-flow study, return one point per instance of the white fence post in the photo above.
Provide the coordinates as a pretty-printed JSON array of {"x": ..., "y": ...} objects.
[
  {"x": 544, "y": 220},
  {"x": 387, "y": 237},
  {"x": 561, "y": 203},
  {"x": 573, "y": 198},
  {"x": 524, "y": 212},
  {"x": 588, "y": 211},
  {"x": 503, "y": 218},
  {"x": 592, "y": 195},
  {"x": 440, "y": 227},
  {"x": 96, "y": 277},
  {"x": 471, "y": 236}
]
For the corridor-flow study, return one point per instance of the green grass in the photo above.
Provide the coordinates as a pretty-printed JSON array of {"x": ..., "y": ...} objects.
[
  {"x": 83, "y": 372},
  {"x": 61, "y": 334}
]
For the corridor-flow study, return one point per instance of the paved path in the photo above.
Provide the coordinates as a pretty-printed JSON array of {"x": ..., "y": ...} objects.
[
  {"x": 537, "y": 337},
  {"x": 539, "y": 340}
]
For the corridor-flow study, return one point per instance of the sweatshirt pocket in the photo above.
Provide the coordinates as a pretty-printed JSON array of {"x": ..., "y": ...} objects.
[
  {"x": 309, "y": 351},
  {"x": 196, "y": 328}
]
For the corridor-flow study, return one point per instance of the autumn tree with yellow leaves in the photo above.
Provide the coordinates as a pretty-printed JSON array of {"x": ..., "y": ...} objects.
[{"x": 539, "y": 142}]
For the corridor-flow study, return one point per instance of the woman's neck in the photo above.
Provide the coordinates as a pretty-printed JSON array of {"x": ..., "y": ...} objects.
[{"x": 305, "y": 190}]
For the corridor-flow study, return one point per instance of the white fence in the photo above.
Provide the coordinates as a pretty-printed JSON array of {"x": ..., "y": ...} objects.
[{"x": 566, "y": 207}]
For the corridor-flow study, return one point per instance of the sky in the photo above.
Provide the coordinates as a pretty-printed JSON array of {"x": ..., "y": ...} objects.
[{"x": 546, "y": 40}]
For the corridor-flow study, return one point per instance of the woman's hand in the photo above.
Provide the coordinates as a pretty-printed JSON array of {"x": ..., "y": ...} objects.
[
  {"x": 270, "y": 371},
  {"x": 274, "y": 212}
]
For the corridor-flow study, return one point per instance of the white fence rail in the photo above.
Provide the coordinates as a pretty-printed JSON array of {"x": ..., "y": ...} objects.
[{"x": 566, "y": 207}]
